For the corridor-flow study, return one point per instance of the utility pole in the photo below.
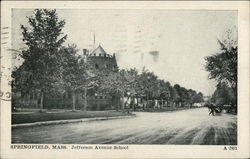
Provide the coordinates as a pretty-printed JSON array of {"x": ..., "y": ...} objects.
[{"x": 94, "y": 42}]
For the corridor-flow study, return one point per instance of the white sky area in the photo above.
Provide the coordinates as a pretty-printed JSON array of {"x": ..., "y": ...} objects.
[{"x": 182, "y": 37}]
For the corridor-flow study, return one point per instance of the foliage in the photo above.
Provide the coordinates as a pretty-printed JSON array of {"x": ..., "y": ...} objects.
[
  {"x": 164, "y": 90},
  {"x": 223, "y": 95},
  {"x": 173, "y": 94},
  {"x": 222, "y": 66},
  {"x": 118, "y": 82},
  {"x": 197, "y": 98},
  {"x": 74, "y": 69},
  {"x": 41, "y": 67},
  {"x": 149, "y": 82},
  {"x": 78, "y": 76},
  {"x": 147, "y": 86}
]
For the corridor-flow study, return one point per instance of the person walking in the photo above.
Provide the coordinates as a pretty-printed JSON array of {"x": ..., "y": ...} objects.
[
  {"x": 212, "y": 109},
  {"x": 208, "y": 105}
]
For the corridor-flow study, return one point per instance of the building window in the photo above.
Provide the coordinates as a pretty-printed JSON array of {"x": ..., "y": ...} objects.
[
  {"x": 96, "y": 66},
  {"x": 96, "y": 96},
  {"x": 101, "y": 97}
]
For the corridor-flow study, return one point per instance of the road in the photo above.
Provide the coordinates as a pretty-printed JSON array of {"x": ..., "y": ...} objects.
[{"x": 192, "y": 126}]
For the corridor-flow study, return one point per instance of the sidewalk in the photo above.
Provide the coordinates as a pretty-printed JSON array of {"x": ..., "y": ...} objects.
[
  {"x": 54, "y": 122},
  {"x": 63, "y": 117}
]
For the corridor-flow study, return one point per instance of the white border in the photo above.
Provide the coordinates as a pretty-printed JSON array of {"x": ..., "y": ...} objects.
[{"x": 141, "y": 151}]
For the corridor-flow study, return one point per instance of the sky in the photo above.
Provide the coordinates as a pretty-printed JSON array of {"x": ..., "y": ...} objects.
[{"x": 171, "y": 43}]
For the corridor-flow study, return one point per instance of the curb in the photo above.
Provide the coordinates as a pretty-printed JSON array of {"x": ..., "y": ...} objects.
[{"x": 55, "y": 122}]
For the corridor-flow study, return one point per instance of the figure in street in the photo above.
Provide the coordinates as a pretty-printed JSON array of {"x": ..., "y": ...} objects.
[{"x": 212, "y": 109}]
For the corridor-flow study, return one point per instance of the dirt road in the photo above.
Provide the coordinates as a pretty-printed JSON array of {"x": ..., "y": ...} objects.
[{"x": 185, "y": 127}]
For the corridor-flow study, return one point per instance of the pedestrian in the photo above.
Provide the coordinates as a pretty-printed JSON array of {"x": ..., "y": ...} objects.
[
  {"x": 208, "y": 106},
  {"x": 212, "y": 109}
]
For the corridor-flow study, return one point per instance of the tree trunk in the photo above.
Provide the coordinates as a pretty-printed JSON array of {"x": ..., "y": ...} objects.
[
  {"x": 147, "y": 103},
  {"x": 85, "y": 99},
  {"x": 41, "y": 104},
  {"x": 155, "y": 104},
  {"x": 122, "y": 100},
  {"x": 172, "y": 106},
  {"x": 135, "y": 104},
  {"x": 117, "y": 103},
  {"x": 143, "y": 104},
  {"x": 74, "y": 101}
]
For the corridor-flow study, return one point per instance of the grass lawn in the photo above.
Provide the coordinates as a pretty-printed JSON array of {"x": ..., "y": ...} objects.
[{"x": 37, "y": 116}]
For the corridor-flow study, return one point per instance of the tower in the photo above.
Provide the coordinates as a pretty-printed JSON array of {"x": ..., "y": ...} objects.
[{"x": 100, "y": 60}]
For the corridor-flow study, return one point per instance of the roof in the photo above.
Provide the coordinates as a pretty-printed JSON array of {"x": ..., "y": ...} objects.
[{"x": 99, "y": 50}]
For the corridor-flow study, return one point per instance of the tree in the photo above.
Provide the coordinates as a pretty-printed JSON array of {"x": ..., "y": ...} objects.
[
  {"x": 118, "y": 82},
  {"x": 223, "y": 95},
  {"x": 75, "y": 72},
  {"x": 174, "y": 97},
  {"x": 21, "y": 80},
  {"x": 91, "y": 80},
  {"x": 184, "y": 96},
  {"x": 41, "y": 67},
  {"x": 192, "y": 95},
  {"x": 136, "y": 89},
  {"x": 164, "y": 90},
  {"x": 177, "y": 88},
  {"x": 196, "y": 97},
  {"x": 148, "y": 81},
  {"x": 222, "y": 66},
  {"x": 200, "y": 98}
]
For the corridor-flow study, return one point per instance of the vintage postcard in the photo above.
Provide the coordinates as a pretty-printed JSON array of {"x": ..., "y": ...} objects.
[{"x": 124, "y": 79}]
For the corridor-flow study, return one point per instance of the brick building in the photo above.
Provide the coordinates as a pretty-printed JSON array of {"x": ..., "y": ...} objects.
[{"x": 99, "y": 60}]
